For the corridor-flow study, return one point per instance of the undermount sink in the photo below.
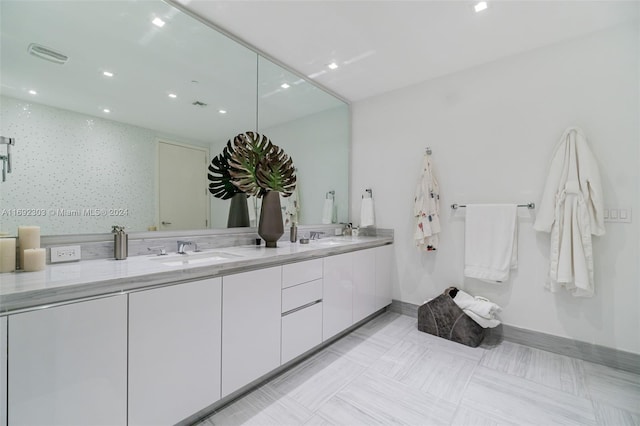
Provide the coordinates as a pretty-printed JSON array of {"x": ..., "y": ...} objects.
[
  {"x": 332, "y": 241},
  {"x": 193, "y": 258}
]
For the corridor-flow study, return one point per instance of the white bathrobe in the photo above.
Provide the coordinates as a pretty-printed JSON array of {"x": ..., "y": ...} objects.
[
  {"x": 427, "y": 208},
  {"x": 572, "y": 210}
]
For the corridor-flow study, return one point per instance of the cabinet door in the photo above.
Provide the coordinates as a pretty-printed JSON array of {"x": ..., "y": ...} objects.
[
  {"x": 174, "y": 351},
  {"x": 384, "y": 278},
  {"x": 68, "y": 364},
  {"x": 364, "y": 284},
  {"x": 3, "y": 371},
  {"x": 251, "y": 310},
  {"x": 337, "y": 297},
  {"x": 301, "y": 331}
]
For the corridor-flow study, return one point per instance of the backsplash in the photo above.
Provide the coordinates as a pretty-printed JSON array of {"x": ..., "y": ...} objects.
[{"x": 139, "y": 246}]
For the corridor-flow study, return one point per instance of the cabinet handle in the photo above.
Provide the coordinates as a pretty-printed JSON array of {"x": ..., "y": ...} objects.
[
  {"x": 166, "y": 223},
  {"x": 299, "y": 308}
]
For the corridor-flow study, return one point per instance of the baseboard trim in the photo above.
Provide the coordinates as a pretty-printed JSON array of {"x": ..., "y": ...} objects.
[{"x": 610, "y": 357}]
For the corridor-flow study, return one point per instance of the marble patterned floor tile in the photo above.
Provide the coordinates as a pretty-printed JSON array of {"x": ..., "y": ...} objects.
[
  {"x": 469, "y": 417},
  {"x": 337, "y": 411},
  {"x": 610, "y": 415},
  {"x": 510, "y": 398},
  {"x": 510, "y": 358},
  {"x": 318, "y": 420},
  {"x": 263, "y": 406},
  {"x": 365, "y": 350},
  {"x": 315, "y": 380},
  {"x": 444, "y": 345},
  {"x": 388, "y": 324},
  {"x": 381, "y": 400},
  {"x": 398, "y": 362},
  {"x": 613, "y": 387},
  {"x": 553, "y": 370},
  {"x": 439, "y": 374}
]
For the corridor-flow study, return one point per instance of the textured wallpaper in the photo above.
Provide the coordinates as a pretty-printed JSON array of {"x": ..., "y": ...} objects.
[{"x": 75, "y": 173}]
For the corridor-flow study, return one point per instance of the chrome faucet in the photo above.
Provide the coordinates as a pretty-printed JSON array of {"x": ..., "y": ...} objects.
[
  {"x": 182, "y": 245},
  {"x": 315, "y": 235}
]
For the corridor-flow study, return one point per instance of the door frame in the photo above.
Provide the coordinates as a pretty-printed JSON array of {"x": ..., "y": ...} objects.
[{"x": 204, "y": 149}]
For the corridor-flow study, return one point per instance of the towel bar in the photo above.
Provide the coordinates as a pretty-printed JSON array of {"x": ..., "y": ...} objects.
[{"x": 528, "y": 205}]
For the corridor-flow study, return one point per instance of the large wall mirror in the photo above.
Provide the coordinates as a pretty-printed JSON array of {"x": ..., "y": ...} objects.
[{"x": 117, "y": 108}]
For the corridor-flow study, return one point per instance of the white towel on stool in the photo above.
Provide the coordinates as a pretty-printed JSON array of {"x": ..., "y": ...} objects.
[
  {"x": 327, "y": 211},
  {"x": 491, "y": 241},
  {"x": 367, "y": 217}
]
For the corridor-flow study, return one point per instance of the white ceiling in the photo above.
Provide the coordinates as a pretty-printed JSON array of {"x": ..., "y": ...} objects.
[{"x": 384, "y": 45}]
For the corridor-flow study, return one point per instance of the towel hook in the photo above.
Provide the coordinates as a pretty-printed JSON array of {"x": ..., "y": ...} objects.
[
  {"x": 331, "y": 195},
  {"x": 368, "y": 191},
  {"x": 427, "y": 150}
]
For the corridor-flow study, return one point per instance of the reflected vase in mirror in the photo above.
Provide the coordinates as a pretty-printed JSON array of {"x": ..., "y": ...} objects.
[
  {"x": 270, "y": 227},
  {"x": 238, "y": 212}
]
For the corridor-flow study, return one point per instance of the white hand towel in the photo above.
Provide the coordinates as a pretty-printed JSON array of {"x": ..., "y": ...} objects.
[
  {"x": 484, "y": 322},
  {"x": 491, "y": 241},
  {"x": 367, "y": 217},
  {"x": 478, "y": 305},
  {"x": 327, "y": 211}
]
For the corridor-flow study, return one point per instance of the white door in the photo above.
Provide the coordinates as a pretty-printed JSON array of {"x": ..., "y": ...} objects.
[
  {"x": 182, "y": 183},
  {"x": 364, "y": 284},
  {"x": 337, "y": 296}
]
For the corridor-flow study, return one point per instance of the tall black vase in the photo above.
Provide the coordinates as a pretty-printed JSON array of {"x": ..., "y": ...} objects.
[
  {"x": 238, "y": 212},
  {"x": 270, "y": 227}
]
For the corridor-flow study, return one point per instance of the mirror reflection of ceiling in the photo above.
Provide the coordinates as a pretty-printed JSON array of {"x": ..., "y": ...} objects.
[
  {"x": 149, "y": 63},
  {"x": 107, "y": 159}
]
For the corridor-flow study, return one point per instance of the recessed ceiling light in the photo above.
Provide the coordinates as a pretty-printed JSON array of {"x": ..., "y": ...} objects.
[
  {"x": 158, "y": 22},
  {"x": 333, "y": 65},
  {"x": 107, "y": 73},
  {"x": 33, "y": 92},
  {"x": 222, "y": 111},
  {"x": 173, "y": 95},
  {"x": 480, "y": 6},
  {"x": 106, "y": 110},
  {"x": 285, "y": 86}
]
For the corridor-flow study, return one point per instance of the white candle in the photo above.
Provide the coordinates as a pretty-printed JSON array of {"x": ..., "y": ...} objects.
[
  {"x": 7, "y": 254},
  {"x": 34, "y": 259},
  {"x": 28, "y": 238}
]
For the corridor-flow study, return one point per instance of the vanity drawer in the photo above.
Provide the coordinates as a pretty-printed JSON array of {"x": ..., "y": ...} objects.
[
  {"x": 300, "y": 295},
  {"x": 301, "y": 331},
  {"x": 301, "y": 272}
]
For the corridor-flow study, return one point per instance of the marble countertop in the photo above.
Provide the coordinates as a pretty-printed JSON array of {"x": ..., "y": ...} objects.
[{"x": 66, "y": 282}]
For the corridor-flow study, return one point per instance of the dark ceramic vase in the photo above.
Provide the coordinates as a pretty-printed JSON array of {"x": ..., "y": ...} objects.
[
  {"x": 238, "y": 212},
  {"x": 270, "y": 227}
]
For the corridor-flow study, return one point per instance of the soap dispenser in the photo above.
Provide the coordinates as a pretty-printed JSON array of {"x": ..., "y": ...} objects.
[{"x": 120, "y": 242}]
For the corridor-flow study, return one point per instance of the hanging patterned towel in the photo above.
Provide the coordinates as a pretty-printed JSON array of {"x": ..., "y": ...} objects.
[
  {"x": 427, "y": 208},
  {"x": 290, "y": 208}
]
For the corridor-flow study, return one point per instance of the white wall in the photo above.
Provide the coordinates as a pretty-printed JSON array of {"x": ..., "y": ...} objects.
[{"x": 492, "y": 130}]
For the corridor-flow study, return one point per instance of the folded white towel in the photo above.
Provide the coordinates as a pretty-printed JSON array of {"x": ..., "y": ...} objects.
[
  {"x": 491, "y": 241},
  {"x": 484, "y": 322},
  {"x": 327, "y": 211},
  {"x": 478, "y": 305},
  {"x": 367, "y": 217}
]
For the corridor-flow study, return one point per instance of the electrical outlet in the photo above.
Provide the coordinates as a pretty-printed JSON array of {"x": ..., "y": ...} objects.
[
  {"x": 65, "y": 254},
  {"x": 618, "y": 215}
]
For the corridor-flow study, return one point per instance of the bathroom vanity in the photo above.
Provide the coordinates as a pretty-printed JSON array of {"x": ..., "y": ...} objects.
[{"x": 162, "y": 339}]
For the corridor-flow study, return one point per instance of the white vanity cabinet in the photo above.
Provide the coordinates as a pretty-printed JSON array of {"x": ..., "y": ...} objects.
[
  {"x": 383, "y": 270},
  {"x": 364, "y": 283},
  {"x": 68, "y": 364},
  {"x": 174, "y": 351},
  {"x": 3, "y": 371},
  {"x": 301, "y": 308},
  {"x": 251, "y": 312},
  {"x": 337, "y": 297}
]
